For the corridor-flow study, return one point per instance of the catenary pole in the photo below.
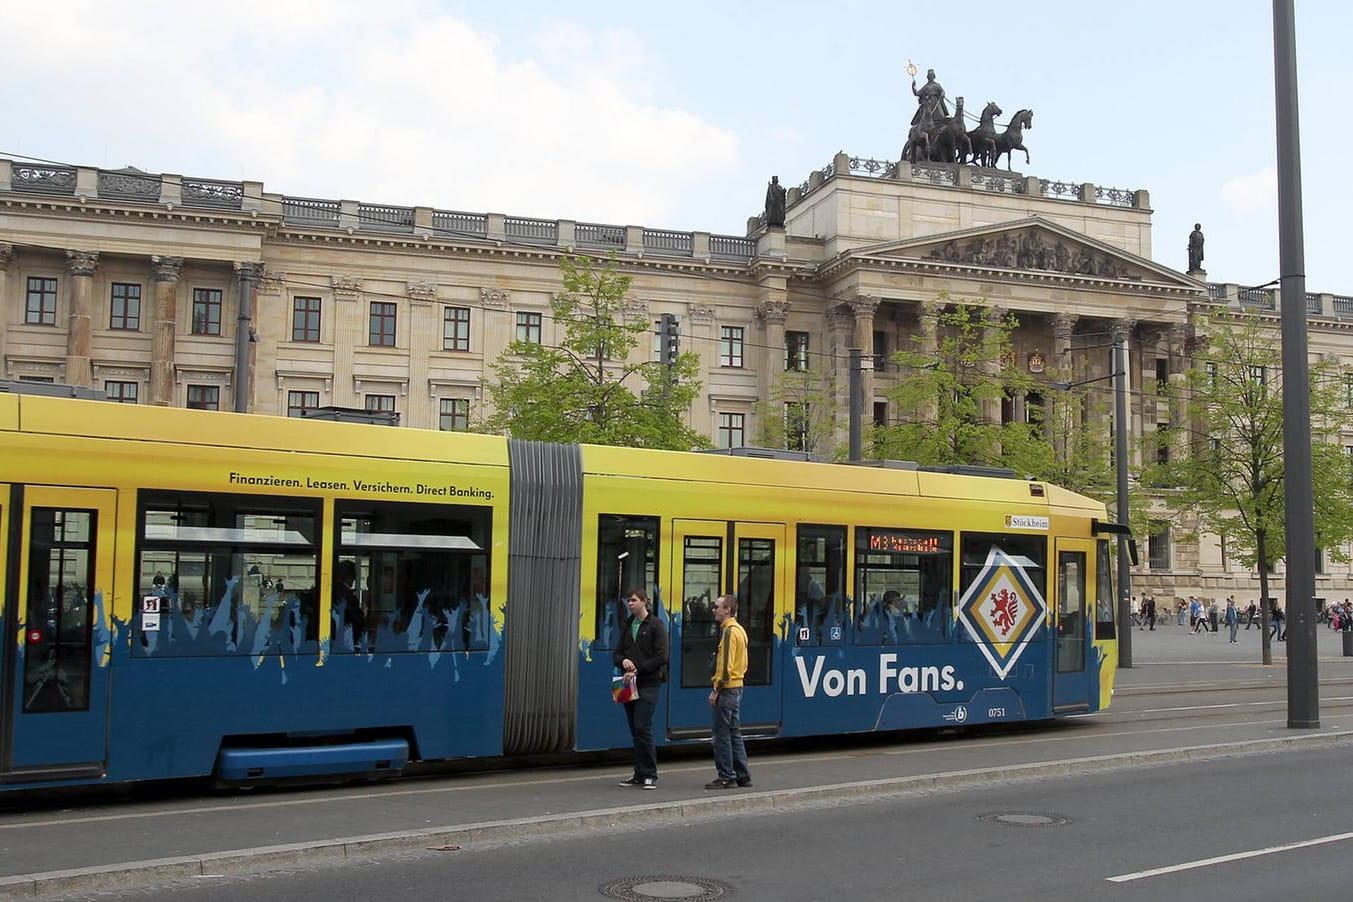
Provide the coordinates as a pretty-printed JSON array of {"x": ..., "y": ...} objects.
[{"x": 1303, "y": 689}]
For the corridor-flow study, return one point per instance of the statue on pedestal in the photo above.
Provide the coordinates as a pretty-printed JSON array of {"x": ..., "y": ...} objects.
[
  {"x": 775, "y": 203},
  {"x": 1196, "y": 248}
]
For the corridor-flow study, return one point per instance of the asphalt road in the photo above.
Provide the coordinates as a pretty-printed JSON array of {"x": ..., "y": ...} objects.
[{"x": 1136, "y": 834}]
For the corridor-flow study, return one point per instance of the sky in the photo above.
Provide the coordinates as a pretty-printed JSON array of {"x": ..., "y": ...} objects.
[{"x": 676, "y": 115}]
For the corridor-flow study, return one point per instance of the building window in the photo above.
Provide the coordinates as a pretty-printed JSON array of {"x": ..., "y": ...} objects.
[
  {"x": 1162, "y": 376},
  {"x": 1162, "y": 443},
  {"x": 121, "y": 392},
  {"x": 204, "y": 397},
  {"x": 125, "y": 307},
  {"x": 880, "y": 352},
  {"x": 456, "y": 329},
  {"x": 528, "y": 328},
  {"x": 380, "y": 403},
  {"x": 1259, "y": 375},
  {"x": 382, "y": 325},
  {"x": 305, "y": 319},
  {"x": 730, "y": 346},
  {"x": 206, "y": 311},
  {"x": 732, "y": 429},
  {"x": 880, "y": 413},
  {"x": 1158, "y": 546},
  {"x": 41, "y": 309},
  {"x": 298, "y": 402},
  {"x": 796, "y": 351},
  {"x": 455, "y": 415}
]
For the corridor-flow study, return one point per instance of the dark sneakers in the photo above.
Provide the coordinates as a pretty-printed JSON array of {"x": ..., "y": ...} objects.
[
  {"x": 649, "y": 783},
  {"x": 721, "y": 783},
  {"x": 633, "y": 782},
  {"x": 745, "y": 783}
]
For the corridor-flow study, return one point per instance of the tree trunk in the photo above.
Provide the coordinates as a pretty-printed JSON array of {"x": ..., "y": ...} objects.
[{"x": 1261, "y": 545}]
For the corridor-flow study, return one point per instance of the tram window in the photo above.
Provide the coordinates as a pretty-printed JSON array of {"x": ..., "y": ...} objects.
[
  {"x": 1028, "y": 552},
  {"x": 701, "y": 563},
  {"x": 234, "y": 575},
  {"x": 903, "y": 586},
  {"x": 1104, "y": 597},
  {"x": 411, "y": 571},
  {"x": 57, "y": 648},
  {"x": 756, "y": 606},
  {"x": 627, "y": 556},
  {"x": 820, "y": 584}
]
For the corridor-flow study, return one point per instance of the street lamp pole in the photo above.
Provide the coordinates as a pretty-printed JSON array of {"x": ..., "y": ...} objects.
[{"x": 1120, "y": 459}]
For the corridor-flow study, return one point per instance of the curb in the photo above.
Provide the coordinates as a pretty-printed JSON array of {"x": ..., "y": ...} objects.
[{"x": 264, "y": 858}]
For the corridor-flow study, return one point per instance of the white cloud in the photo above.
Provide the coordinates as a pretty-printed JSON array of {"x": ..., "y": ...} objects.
[
  {"x": 326, "y": 99},
  {"x": 1252, "y": 193}
]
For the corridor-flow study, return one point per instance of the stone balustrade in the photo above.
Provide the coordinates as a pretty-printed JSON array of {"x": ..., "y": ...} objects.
[{"x": 132, "y": 186}]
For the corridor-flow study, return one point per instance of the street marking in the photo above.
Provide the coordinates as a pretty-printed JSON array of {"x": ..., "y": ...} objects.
[
  {"x": 1337, "y": 698},
  {"x": 1222, "y": 859}
]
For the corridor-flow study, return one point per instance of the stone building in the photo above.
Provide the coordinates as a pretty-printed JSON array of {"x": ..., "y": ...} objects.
[{"x": 162, "y": 289}]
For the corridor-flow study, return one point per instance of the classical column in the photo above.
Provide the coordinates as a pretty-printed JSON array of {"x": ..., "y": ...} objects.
[
  {"x": 1122, "y": 333},
  {"x": 1178, "y": 363},
  {"x": 840, "y": 328},
  {"x": 1062, "y": 420},
  {"x": 165, "y": 275},
  {"x": 864, "y": 307},
  {"x": 772, "y": 315},
  {"x": 80, "y": 265},
  {"x": 250, "y": 274},
  {"x": 6, "y": 257},
  {"x": 991, "y": 407},
  {"x": 928, "y": 318}
]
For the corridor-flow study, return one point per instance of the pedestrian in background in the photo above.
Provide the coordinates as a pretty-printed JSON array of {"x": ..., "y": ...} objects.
[
  {"x": 1250, "y": 614},
  {"x": 1232, "y": 617},
  {"x": 730, "y": 666},
  {"x": 1149, "y": 603},
  {"x": 642, "y": 655}
]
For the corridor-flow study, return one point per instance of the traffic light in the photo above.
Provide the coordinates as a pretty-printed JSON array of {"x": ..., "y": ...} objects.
[{"x": 669, "y": 339}]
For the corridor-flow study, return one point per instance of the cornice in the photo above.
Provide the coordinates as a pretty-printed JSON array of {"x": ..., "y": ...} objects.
[
  {"x": 86, "y": 209},
  {"x": 845, "y": 266}
]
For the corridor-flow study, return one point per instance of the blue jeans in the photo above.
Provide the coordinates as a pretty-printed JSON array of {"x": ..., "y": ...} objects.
[
  {"x": 639, "y": 717},
  {"x": 730, "y": 755}
]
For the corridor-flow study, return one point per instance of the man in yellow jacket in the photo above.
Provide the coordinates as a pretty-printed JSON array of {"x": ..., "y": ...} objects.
[{"x": 730, "y": 666}]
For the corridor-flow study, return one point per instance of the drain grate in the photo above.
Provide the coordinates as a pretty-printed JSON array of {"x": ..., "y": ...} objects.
[
  {"x": 1025, "y": 819},
  {"x": 686, "y": 889}
]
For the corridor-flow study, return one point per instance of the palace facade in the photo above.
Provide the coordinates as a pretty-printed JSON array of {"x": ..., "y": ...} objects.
[{"x": 168, "y": 290}]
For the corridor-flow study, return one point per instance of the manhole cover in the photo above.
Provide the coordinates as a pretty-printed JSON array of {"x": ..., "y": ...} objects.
[
  {"x": 1026, "y": 819},
  {"x": 687, "y": 889}
]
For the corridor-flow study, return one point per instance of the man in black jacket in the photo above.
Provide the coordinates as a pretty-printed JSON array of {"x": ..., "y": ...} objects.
[{"x": 642, "y": 655}]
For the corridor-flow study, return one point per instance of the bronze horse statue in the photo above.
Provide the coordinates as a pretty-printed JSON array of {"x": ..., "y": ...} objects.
[
  {"x": 982, "y": 140},
  {"x": 917, "y": 148},
  {"x": 1013, "y": 138},
  {"x": 951, "y": 144}
]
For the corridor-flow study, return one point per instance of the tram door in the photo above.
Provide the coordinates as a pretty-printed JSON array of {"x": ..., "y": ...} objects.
[
  {"x": 1072, "y": 675},
  {"x": 711, "y": 558},
  {"x": 58, "y": 580}
]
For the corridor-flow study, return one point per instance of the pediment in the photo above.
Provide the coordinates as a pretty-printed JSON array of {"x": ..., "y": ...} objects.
[{"x": 1030, "y": 245}]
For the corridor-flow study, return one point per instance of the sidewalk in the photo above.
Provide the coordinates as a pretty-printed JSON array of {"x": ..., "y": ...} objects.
[{"x": 146, "y": 840}]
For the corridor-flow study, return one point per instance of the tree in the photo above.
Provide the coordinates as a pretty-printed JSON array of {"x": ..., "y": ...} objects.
[
  {"x": 943, "y": 395},
  {"x": 587, "y": 388},
  {"x": 1233, "y": 474},
  {"x": 801, "y": 414}
]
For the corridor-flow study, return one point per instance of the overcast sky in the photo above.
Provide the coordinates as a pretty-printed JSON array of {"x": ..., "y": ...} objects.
[{"x": 676, "y": 115}]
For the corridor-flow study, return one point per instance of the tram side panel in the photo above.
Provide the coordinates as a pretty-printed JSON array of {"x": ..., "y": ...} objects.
[{"x": 236, "y": 620}]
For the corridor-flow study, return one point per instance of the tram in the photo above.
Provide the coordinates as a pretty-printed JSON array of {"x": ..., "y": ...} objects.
[{"x": 205, "y": 594}]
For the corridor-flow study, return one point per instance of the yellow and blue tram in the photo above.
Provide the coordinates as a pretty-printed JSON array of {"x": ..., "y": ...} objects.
[{"x": 189, "y": 593}]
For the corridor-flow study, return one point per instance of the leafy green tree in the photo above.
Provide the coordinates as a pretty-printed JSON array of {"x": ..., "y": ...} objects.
[
  {"x": 1233, "y": 474},
  {"x": 801, "y": 414},
  {"x": 943, "y": 393},
  {"x": 588, "y": 388}
]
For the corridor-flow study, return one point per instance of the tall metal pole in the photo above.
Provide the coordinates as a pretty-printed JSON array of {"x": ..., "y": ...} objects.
[
  {"x": 1119, "y": 370},
  {"x": 1303, "y": 688},
  {"x": 855, "y": 386},
  {"x": 249, "y": 275}
]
